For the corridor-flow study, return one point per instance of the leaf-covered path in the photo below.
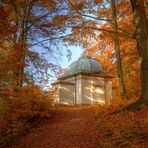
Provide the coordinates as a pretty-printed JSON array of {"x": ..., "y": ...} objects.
[{"x": 70, "y": 127}]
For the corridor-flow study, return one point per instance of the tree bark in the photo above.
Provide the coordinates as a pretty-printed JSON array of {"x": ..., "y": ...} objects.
[
  {"x": 141, "y": 35},
  {"x": 117, "y": 52},
  {"x": 21, "y": 39}
]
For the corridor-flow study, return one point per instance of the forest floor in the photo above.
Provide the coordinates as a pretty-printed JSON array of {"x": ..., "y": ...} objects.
[{"x": 70, "y": 127}]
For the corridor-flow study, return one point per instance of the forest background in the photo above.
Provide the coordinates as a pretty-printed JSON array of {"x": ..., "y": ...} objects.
[{"x": 34, "y": 33}]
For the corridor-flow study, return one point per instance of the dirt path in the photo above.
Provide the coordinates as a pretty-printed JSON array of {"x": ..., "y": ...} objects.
[{"x": 71, "y": 127}]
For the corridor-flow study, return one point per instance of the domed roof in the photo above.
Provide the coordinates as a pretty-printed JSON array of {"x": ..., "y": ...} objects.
[{"x": 85, "y": 64}]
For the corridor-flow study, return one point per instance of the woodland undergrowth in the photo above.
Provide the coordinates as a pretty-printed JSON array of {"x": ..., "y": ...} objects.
[
  {"x": 124, "y": 129},
  {"x": 21, "y": 111}
]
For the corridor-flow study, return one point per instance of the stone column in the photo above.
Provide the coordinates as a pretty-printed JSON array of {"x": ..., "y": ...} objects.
[
  {"x": 108, "y": 91},
  {"x": 78, "y": 87}
]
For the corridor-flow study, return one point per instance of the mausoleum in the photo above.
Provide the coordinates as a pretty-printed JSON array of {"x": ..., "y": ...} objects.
[{"x": 84, "y": 82}]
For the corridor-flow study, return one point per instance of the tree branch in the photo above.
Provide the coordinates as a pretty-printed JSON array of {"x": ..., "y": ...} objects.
[
  {"x": 85, "y": 15},
  {"x": 105, "y": 30},
  {"x": 49, "y": 39}
]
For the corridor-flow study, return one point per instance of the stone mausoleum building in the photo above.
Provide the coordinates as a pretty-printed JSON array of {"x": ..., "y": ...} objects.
[{"x": 84, "y": 82}]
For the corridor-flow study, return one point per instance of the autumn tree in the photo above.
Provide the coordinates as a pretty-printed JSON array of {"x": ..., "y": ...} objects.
[
  {"x": 36, "y": 39},
  {"x": 19, "y": 106},
  {"x": 117, "y": 50},
  {"x": 96, "y": 18},
  {"x": 141, "y": 35},
  {"x": 6, "y": 30}
]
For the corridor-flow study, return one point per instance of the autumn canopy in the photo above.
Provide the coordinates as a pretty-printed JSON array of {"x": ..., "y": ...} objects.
[{"x": 35, "y": 34}]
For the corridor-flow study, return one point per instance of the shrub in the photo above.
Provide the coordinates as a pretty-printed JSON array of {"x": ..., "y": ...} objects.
[{"x": 22, "y": 110}]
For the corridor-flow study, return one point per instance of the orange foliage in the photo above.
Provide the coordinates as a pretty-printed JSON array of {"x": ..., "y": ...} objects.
[
  {"x": 104, "y": 50},
  {"x": 125, "y": 129},
  {"x": 105, "y": 54},
  {"x": 25, "y": 107}
]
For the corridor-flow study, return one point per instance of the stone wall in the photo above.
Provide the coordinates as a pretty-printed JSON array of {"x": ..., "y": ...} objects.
[
  {"x": 67, "y": 94},
  {"x": 98, "y": 90},
  {"x": 84, "y": 89}
]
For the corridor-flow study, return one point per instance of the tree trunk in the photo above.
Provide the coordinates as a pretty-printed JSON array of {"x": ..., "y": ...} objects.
[
  {"x": 21, "y": 40},
  {"x": 117, "y": 52},
  {"x": 141, "y": 35}
]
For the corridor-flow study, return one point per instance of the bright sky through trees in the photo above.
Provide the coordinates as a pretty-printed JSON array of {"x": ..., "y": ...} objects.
[
  {"x": 76, "y": 53},
  {"x": 65, "y": 61},
  {"x": 39, "y": 38}
]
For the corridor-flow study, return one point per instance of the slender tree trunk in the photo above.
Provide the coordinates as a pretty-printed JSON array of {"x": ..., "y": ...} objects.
[
  {"x": 117, "y": 52},
  {"x": 21, "y": 40}
]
